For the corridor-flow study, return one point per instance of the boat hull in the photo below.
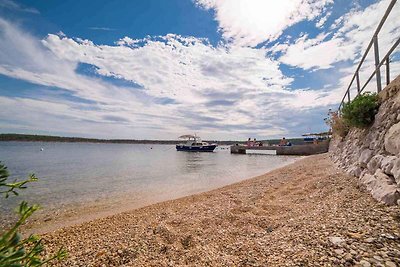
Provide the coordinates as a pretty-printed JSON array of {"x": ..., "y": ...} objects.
[{"x": 209, "y": 148}]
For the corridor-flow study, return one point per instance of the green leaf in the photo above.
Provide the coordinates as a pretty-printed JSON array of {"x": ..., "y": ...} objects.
[{"x": 15, "y": 251}]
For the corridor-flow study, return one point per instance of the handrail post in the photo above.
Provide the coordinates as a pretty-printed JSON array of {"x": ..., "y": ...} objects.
[
  {"x": 387, "y": 71},
  {"x": 378, "y": 71}
]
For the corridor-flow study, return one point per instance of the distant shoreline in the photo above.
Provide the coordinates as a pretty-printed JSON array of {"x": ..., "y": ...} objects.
[{"x": 62, "y": 139}]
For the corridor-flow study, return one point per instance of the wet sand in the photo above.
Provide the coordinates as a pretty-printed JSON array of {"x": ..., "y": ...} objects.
[
  {"x": 308, "y": 213},
  {"x": 47, "y": 220}
]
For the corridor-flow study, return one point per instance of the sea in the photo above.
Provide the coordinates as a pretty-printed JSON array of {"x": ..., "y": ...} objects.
[{"x": 118, "y": 177}]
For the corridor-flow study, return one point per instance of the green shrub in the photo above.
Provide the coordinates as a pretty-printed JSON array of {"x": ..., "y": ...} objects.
[
  {"x": 361, "y": 111},
  {"x": 337, "y": 124},
  {"x": 16, "y": 251}
]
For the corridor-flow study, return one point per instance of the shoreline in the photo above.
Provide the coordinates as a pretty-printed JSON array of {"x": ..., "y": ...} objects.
[
  {"x": 305, "y": 213},
  {"x": 63, "y": 139},
  {"x": 12, "y": 137},
  {"x": 52, "y": 219},
  {"x": 91, "y": 142}
]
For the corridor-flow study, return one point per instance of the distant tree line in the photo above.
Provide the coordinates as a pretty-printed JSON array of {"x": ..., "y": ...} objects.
[{"x": 50, "y": 138}]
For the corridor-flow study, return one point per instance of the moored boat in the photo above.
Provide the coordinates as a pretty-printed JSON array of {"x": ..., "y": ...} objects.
[{"x": 194, "y": 144}]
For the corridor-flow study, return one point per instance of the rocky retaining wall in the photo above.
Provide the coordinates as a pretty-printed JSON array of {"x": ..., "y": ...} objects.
[{"x": 373, "y": 154}]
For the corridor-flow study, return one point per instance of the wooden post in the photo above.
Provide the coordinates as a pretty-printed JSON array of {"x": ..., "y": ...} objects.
[
  {"x": 378, "y": 71},
  {"x": 387, "y": 71}
]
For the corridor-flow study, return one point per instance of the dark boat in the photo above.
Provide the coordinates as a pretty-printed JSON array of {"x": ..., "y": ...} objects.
[{"x": 194, "y": 144}]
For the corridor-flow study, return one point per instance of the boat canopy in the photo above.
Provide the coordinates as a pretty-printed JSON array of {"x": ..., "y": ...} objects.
[
  {"x": 188, "y": 136},
  {"x": 324, "y": 134}
]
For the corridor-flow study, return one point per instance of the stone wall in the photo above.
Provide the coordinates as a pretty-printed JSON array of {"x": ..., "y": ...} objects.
[{"x": 373, "y": 154}]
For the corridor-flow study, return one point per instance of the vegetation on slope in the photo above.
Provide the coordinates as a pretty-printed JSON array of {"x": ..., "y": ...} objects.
[{"x": 360, "y": 112}]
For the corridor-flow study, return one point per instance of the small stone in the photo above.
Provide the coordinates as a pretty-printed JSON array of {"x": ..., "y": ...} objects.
[
  {"x": 355, "y": 235},
  {"x": 370, "y": 240},
  {"x": 390, "y": 264},
  {"x": 348, "y": 257},
  {"x": 339, "y": 251},
  {"x": 353, "y": 252},
  {"x": 100, "y": 253},
  {"x": 388, "y": 236},
  {"x": 376, "y": 257},
  {"x": 335, "y": 240},
  {"x": 187, "y": 242},
  {"x": 383, "y": 254},
  {"x": 365, "y": 263}
]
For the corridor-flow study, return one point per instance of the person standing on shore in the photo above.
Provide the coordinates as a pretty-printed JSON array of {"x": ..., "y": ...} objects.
[{"x": 283, "y": 142}]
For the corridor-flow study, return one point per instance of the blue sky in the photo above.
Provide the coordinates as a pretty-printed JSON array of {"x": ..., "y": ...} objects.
[{"x": 158, "y": 69}]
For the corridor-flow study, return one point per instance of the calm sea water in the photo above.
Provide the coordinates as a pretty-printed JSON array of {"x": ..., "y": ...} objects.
[{"x": 79, "y": 173}]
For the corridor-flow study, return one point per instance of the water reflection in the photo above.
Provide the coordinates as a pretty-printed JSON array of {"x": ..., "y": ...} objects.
[
  {"x": 73, "y": 173},
  {"x": 192, "y": 162}
]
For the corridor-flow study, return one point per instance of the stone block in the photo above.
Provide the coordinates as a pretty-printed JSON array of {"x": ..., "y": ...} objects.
[
  {"x": 392, "y": 139},
  {"x": 365, "y": 157},
  {"x": 375, "y": 163},
  {"x": 396, "y": 170},
  {"x": 381, "y": 187},
  {"x": 387, "y": 164}
]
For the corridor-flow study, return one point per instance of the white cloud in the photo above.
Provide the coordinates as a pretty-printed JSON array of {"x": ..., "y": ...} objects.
[
  {"x": 317, "y": 52},
  {"x": 323, "y": 20},
  {"x": 12, "y": 5},
  {"x": 101, "y": 29},
  {"x": 215, "y": 91},
  {"x": 228, "y": 91},
  {"x": 354, "y": 31},
  {"x": 253, "y": 22}
]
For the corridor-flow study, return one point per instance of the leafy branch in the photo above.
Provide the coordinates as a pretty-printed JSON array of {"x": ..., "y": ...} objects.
[
  {"x": 14, "y": 250},
  {"x": 12, "y": 187}
]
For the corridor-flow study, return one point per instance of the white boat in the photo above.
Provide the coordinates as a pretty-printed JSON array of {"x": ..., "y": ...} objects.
[{"x": 194, "y": 144}]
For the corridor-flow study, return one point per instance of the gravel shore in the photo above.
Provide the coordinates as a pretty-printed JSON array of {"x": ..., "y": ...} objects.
[{"x": 308, "y": 213}]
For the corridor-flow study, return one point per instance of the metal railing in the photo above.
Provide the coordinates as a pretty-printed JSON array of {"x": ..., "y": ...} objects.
[{"x": 378, "y": 63}]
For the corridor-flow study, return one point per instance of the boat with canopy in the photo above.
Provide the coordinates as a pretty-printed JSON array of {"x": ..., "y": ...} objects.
[{"x": 194, "y": 144}]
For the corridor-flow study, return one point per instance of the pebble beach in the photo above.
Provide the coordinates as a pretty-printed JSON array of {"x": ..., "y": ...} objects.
[{"x": 308, "y": 213}]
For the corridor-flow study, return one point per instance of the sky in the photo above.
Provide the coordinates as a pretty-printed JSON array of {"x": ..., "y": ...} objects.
[{"x": 155, "y": 69}]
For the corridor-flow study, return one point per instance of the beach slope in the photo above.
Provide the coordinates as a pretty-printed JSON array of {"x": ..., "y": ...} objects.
[{"x": 308, "y": 213}]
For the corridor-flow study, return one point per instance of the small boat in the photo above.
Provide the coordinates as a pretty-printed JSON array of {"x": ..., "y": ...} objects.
[{"x": 194, "y": 144}]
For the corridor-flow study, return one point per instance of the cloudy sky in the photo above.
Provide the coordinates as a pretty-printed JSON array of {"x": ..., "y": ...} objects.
[{"x": 155, "y": 69}]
